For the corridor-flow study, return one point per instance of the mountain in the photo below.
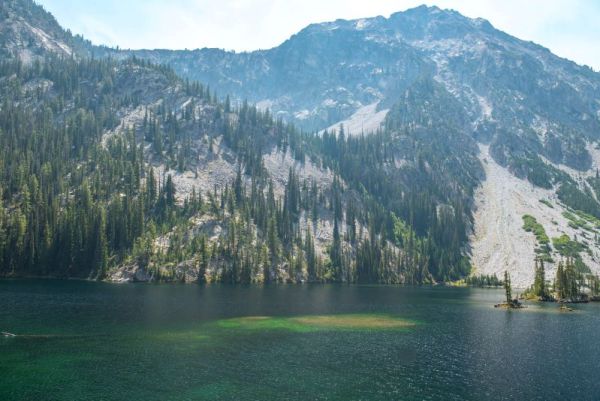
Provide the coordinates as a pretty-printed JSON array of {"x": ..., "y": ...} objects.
[
  {"x": 445, "y": 148},
  {"x": 121, "y": 170},
  {"x": 327, "y": 72},
  {"x": 534, "y": 116}
]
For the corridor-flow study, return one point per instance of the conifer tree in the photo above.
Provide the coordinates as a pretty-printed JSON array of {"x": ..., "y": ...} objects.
[
  {"x": 507, "y": 287},
  {"x": 539, "y": 284},
  {"x": 335, "y": 253},
  {"x": 559, "y": 281}
]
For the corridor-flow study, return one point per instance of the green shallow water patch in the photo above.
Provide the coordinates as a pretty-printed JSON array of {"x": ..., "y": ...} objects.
[
  {"x": 185, "y": 341},
  {"x": 303, "y": 324},
  {"x": 187, "y": 335}
]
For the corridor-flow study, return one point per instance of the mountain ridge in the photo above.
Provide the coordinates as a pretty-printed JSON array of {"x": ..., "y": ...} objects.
[
  {"x": 228, "y": 84},
  {"x": 438, "y": 99}
]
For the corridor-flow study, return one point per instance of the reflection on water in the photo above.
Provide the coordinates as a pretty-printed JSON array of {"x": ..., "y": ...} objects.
[{"x": 172, "y": 342}]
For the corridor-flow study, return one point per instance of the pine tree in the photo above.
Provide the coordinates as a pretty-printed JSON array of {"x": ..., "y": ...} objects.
[
  {"x": 3, "y": 239},
  {"x": 335, "y": 254},
  {"x": 101, "y": 248},
  {"x": 539, "y": 284},
  {"x": 560, "y": 281},
  {"x": 203, "y": 261},
  {"x": 311, "y": 260},
  {"x": 508, "y": 288},
  {"x": 169, "y": 192}
]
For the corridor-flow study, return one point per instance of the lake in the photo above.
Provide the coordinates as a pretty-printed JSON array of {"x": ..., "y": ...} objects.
[{"x": 98, "y": 341}]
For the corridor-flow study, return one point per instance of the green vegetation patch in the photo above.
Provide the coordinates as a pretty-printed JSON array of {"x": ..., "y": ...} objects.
[
  {"x": 318, "y": 322},
  {"x": 589, "y": 218},
  {"x": 530, "y": 224},
  {"x": 190, "y": 335},
  {"x": 567, "y": 247},
  {"x": 576, "y": 222}
]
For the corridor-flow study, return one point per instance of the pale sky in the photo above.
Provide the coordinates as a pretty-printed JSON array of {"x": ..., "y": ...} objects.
[{"x": 570, "y": 28}]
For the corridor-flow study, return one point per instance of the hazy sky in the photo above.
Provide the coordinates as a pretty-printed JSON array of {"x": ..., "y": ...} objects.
[{"x": 570, "y": 28}]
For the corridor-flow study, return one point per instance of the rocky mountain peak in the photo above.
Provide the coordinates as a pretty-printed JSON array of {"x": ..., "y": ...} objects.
[{"x": 425, "y": 22}]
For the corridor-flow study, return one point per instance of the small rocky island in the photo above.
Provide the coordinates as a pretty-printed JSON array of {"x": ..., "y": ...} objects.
[
  {"x": 510, "y": 302},
  {"x": 570, "y": 286}
]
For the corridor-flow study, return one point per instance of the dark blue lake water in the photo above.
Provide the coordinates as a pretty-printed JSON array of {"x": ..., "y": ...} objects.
[{"x": 97, "y": 341}]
